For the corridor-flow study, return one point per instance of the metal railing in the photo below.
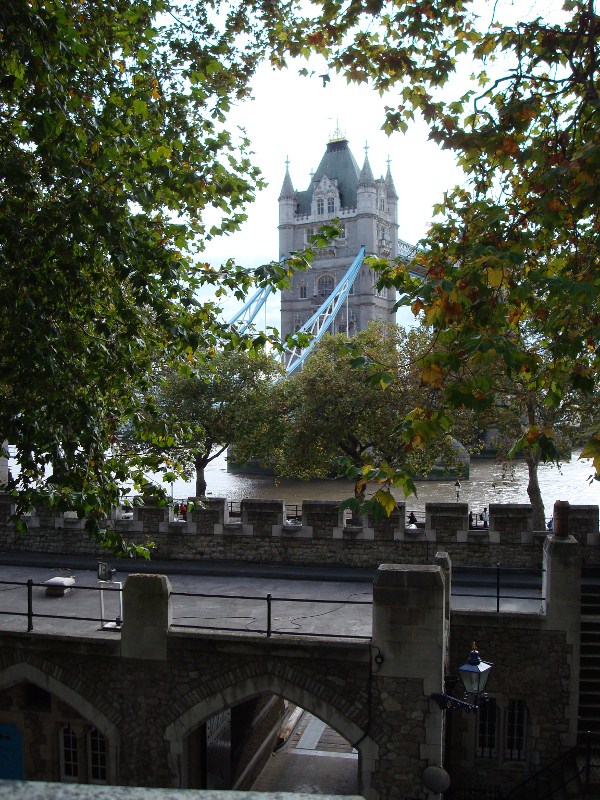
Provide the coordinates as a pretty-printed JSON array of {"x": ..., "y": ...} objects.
[
  {"x": 503, "y": 578},
  {"x": 30, "y": 615},
  {"x": 267, "y": 628},
  {"x": 496, "y": 589},
  {"x": 567, "y": 774}
]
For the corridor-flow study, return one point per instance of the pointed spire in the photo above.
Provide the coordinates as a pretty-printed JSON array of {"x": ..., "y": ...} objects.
[
  {"x": 287, "y": 188},
  {"x": 389, "y": 182},
  {"x": 366, "y": 173}
]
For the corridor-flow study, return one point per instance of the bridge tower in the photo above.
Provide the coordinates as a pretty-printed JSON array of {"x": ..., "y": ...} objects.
[{"x": 367, "y": 209}]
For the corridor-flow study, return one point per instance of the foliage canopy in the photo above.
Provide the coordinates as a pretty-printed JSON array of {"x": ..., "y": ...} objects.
[
  {"x": 116, "y": 165},
  {"x": 225, "y": 400},
  {"x": 350, "y": 404},
  {"x": 512, "y": 259},
  {"x": 114, "y": 148}
]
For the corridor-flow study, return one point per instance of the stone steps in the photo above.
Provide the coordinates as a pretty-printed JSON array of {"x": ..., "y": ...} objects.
[{"x": 589, "y": 675}]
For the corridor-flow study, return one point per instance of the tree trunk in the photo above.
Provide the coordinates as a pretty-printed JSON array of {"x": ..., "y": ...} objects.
[
  {"x": 200, "y": 479},
  {"x": 535, "y": 495}
]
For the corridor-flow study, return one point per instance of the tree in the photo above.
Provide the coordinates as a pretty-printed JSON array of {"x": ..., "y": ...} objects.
[
  {"x": 512, "y": 261},
  {"x": 114, "y": 149},
  {"x": 223, "y": 401},
  {"x": 115, "y": 146},
  {"x": 349, "y": 404},
  {"x": 525, "y": 425}
]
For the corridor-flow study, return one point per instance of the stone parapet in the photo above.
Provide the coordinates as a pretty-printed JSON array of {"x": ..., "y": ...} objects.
[
  {"x": 261, "y": 517},
  {"x": 263, "y": 534},
  {"x": 447, "y": 521},
  {"x": 511, "y": 523},
  {"x": 324, "y": 518},
  {"x": 583, "y": 524},
  {"x": 388, "y": 529}
]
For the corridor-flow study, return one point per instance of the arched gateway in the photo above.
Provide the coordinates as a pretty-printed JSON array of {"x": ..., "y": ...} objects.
[
  {"x": 143, "y": 695},
  {"x": 289, "y": 688}
]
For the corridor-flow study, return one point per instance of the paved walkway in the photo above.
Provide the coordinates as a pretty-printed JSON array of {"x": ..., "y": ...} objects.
[
  {"x": 200, "y": 602},
  {"x": 314, "y": 760},
  {"x": 330, "y": 601}
]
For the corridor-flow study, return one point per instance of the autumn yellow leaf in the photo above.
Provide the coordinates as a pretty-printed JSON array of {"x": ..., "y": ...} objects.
[
  {"x": 433, "y": 375},
  {"x": 386, "y": 500},
  {"x": 495, "y": 276}
]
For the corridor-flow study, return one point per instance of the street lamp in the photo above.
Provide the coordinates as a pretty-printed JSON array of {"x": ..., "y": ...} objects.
[
  {"x": 474, "y": 674},
  {"x": 457, "y": 487}
]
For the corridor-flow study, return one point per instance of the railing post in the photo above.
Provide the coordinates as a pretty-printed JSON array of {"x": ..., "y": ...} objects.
[
  {"x": 29, "y": 605},
  {"x": 497, "y": 587},
  {"x": 269, "y": 599}
]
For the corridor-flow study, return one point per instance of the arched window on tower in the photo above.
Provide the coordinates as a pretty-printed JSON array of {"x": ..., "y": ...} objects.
[
  {"x": 302, "y": 293},
  {"x": 320, "y": 206},
  {"x": 325, "y": 286},
  {"x": 381, "y": 204},
  {"x": 330, "y": 205}
]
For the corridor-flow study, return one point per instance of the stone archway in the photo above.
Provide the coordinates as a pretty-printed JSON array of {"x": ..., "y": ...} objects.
[
  {"x": 246, "y": 688},
  {"x": 24, "y": 672}
]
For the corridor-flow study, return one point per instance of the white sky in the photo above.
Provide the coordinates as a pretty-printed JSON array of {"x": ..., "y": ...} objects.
[{"x": 293, "y": 117}]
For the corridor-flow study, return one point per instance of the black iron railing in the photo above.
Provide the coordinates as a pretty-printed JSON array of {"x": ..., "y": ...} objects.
[
  {"x": 267, "y": 627},
  {"x": 504, "y": 580},
  {"x": 496, "y": 584},
  {"x": 29, "y": 613},
  {"x": 566, "y": 776}
]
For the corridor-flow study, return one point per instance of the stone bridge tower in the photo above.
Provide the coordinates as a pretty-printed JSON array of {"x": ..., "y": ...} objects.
[{"x": 367, "y": 210}]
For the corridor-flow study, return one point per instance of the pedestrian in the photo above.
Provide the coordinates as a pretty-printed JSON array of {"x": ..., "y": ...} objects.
[
  {"x": 485, "y": 517},
  {"x": 183, "y": 510},
  {"x": 412, "y": 518}
]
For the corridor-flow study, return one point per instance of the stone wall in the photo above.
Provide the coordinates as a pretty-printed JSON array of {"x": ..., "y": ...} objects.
[
  {"x": 531, "y": 664},
  {"x": 149, "y": 690},
  {"x": 263, "y": 534}
]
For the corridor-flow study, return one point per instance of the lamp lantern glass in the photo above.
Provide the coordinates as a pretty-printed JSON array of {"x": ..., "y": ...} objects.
[{"x": 474, "y": 673}]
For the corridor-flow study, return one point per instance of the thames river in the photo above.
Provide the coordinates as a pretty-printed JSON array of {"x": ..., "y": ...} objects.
[{"x": 487, "y": 483}]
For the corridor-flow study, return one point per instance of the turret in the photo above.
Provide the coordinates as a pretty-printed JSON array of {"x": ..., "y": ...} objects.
[
  {"x": 287, "y": 208},
  {"x": 366, "y": 207},
  {"x": 392, "y": 207}
]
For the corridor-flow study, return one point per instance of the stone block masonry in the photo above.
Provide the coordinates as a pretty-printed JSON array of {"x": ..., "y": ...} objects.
[{"x": 263, "y": 535}]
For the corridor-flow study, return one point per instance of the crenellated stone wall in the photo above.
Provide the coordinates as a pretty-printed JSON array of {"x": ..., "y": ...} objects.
[{"x": 263, "y": 534}]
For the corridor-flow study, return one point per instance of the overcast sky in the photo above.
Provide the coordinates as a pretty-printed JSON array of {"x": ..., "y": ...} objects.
[{"x": 294, "y": 117}]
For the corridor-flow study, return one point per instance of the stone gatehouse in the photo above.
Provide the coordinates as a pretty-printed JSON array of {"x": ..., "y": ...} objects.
[{"x": 145, "y": 693}]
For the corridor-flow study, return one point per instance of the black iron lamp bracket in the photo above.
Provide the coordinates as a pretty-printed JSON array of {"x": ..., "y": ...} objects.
[{"x": 448, "y": 703}]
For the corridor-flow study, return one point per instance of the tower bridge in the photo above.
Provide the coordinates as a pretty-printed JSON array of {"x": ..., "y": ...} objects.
[{"x": 338, "y": 293}]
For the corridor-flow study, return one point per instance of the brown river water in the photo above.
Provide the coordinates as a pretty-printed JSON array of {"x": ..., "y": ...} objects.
[{"x": 488, "y": 483}]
